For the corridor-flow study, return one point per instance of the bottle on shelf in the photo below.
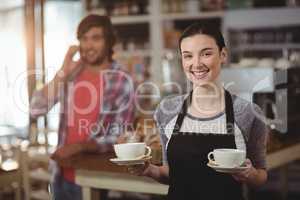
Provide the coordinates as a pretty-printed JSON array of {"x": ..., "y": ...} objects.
[{"x": 192, "y": 6}]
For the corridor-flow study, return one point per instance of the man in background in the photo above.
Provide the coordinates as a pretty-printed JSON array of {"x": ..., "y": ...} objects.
[{"x": 96, "y": 99}]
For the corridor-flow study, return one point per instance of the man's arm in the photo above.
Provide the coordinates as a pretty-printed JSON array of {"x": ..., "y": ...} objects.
[
  {"x": 42, "y": 100},
  {"x": 69, "y": 150}
]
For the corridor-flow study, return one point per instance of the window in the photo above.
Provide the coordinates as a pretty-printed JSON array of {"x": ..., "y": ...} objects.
[
  {"x": 60, "y": 33},
  {"x": 13, "y": 75}
]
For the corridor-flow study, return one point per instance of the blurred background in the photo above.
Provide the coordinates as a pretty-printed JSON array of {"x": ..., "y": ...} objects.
[{"x": 263, "y": 38}]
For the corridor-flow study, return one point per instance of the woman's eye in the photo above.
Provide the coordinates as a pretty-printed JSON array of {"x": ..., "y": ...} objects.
[
  {"x": 187, "y": 56},
  {"x": 206, "y": 54}
]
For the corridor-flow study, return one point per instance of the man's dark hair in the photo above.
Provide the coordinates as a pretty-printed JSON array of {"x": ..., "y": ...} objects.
[
  {"x": 206, "y": 29},
  {"x": 104, "y": 22}
]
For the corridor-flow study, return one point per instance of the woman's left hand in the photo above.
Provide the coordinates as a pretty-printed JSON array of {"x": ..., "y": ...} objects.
[{"x": 246, "y": 174}]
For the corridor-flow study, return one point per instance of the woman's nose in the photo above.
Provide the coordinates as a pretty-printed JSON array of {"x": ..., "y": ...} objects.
[{"x": 197, "y": 60}]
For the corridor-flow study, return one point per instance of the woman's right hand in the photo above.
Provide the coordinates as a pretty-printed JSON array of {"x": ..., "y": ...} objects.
[
  {"x": 158, "y": 173},
  {"x": 139, "y": 169},
  {"x": 69, "y": 65}
]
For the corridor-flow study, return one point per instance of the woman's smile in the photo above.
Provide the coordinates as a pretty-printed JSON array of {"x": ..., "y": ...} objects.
[{"x": 200, "y": 74}]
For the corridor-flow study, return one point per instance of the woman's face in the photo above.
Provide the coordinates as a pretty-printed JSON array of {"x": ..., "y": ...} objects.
[{"x": 202, "y": 59}]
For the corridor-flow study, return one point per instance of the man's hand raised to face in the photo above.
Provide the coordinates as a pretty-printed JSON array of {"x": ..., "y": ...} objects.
[{"x": 69, "y": 65}]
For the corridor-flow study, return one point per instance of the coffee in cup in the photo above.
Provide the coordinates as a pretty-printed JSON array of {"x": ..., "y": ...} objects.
[
  {"x": 132, "y": 150},
  {"x": 227, "y": 157}
]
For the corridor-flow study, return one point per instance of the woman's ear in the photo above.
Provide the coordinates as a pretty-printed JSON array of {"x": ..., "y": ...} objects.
[{"x": 224, "y": 55}]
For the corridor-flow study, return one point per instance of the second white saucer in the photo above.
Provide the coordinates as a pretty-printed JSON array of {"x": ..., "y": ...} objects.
[{"x": 226, "y": 169}]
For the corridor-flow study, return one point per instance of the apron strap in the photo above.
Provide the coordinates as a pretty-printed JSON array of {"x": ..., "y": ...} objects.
[
  {"x": 228, "y": 111},
  {"x": 182, "y": 112}
]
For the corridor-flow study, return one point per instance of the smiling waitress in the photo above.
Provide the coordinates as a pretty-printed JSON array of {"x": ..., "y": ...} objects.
[{"x": 207, "y": 118}]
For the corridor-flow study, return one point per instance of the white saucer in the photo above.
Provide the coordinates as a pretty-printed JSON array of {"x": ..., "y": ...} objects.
[
  {"x": 135, "y": 161},
  {"x": 218, "y": 168}
]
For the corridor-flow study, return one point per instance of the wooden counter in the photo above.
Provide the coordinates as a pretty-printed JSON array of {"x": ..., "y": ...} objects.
[
  {"x": 96, "y": 171},
  {"x": 93, "y": 162}
]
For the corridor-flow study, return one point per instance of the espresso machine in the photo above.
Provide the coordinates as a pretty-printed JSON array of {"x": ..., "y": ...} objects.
[
  {"x": 282, "y": 106},
  {"x": 277, "y": 92},
  {"x": 287, "y": 96}
]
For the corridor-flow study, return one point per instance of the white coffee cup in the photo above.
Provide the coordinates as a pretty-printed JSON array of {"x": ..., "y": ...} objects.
[
  {"x": 227, "y": 157},
  {"x": 132, "y": 150}
]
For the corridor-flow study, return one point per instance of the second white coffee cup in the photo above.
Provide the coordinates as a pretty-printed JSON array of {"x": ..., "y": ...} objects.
[
  {"x": 227, "y": 157},
  {"x": 132, "y": 150}
]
